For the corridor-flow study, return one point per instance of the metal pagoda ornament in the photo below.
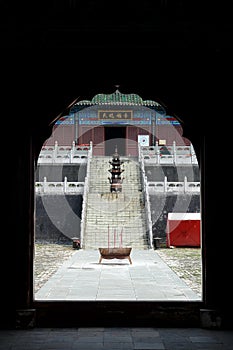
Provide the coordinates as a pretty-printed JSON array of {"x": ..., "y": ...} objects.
[{"x": 115, "y": 179}]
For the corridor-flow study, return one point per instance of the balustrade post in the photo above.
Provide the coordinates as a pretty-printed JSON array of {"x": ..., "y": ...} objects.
[
  {"x": 146, "y": 198},
  {"x": 174, "y": 152},
  {"x": 149, "y": 221},
  {"x": 45, "y": 185},
  {"x": 185, "y": 184},
  {"x": 65, "y": 184},
  {"x": 72, "y": 152},
  {"x": 71, "y": 155},
  {"x": 165, "y": 184},
  {"x": 192, "y": 153},
  {"x": 55, "y": 151},
  {"x": 91, "y": 149},
  {"x": 157, "y": 147},
  {"x": 85, "y": 192},
  {"x": 158, "y": 152},
  {"x": 174, "y": 147}
]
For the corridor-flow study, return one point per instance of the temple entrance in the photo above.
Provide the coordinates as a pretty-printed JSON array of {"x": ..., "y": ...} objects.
[
  {"x": 115, "y": 136},
  {"x": 93, "y": 218}
]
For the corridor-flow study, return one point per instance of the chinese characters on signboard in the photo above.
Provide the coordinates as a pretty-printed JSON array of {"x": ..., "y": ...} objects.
[{"x": 119, "y": 115}]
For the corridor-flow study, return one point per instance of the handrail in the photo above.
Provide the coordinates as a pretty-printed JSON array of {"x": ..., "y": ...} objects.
[
  {"x": 85, "y": 195},
  {"x": 57, "y": 187},
  {"x": 63, "y": 154},
  {"x": 146, "y": 197},
  {"x": 169, "y": 154},
  {"x": 173, "y": 186}
]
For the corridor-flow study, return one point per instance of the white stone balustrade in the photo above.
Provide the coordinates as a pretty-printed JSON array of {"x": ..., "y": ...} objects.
[
  {"x": 60, "y": 187},
  {"x": 63, "y": 154},
  {"x": 146, "y": 197},
  {"x": 173, "y": 186},
  {"x": 85, "y": 194},
  {"x": 53, "y": 187},
  {"x": 169, "y": 154}
]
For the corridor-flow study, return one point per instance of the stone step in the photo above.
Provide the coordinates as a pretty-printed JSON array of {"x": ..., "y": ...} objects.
[
  {"x": 116, "y": 217},
  {"x": 98, "y": 242},
  {"x": 125, "y": 222},
  {"x": 105, "y": 234},
  {"x": 97, "y": 227},
  {"x": 122, "y": 211},
  {"x": 131, "y": 223},
  {"x": 104, "y": 231},
  {"x": 105, "y": 243}
]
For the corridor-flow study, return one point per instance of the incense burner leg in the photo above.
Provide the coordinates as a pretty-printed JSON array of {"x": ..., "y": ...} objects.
[
  {"x": 100, "y": 259},
  {"x": 130, "y": 261}
]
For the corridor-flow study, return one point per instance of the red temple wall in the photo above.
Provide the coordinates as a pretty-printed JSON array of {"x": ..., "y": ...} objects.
[{"x": 65, "y": 135}]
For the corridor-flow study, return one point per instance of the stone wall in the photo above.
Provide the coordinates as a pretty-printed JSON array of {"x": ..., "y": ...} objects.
[
  {"x": 58, "y": 218},
  {"x": 173, "y": 172},
  {"x": 57, "y": 172}
]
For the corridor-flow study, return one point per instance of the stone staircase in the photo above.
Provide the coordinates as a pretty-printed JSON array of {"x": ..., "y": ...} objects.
[{"x": 115, "y": 219}]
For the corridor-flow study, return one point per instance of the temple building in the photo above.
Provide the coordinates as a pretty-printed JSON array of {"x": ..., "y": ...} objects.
[{"x": 117, "y": 119}]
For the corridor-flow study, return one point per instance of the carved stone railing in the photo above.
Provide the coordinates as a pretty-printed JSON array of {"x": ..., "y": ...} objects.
[
  {"x": 50, "y": 187},
  {"x": 173, "y": 186},
  {"x": 59, "y": 187},
  {"x": 85, "y": 195},
  {"x": 146, "y": 197},
  {"x": 63, "y": 154},
  {"x": 169, "y": 154}
]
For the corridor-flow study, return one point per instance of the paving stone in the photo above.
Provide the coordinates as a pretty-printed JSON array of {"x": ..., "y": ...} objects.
[{"x": 62, "y": 272}]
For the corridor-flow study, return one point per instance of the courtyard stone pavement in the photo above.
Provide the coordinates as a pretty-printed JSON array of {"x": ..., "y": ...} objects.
[
  {"x": 51, "y": 260},
  {"x": 63, "y": 273}
]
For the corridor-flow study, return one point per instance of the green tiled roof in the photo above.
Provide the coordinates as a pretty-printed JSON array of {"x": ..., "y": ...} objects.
[{"x": 117, "y": 98}]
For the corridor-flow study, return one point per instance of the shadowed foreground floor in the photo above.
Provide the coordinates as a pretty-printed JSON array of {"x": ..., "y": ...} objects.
[{"x": 116, "y": 339}]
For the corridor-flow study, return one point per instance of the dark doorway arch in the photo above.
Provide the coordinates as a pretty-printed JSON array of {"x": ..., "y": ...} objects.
[
  {"x": 189, "y": 71},
  {"x": 116, "y": 312}
]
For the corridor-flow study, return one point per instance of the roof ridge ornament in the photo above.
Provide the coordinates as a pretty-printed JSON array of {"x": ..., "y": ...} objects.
[
  {"x": 117, "y": 98},
  {"x": 117, "y": 89}
]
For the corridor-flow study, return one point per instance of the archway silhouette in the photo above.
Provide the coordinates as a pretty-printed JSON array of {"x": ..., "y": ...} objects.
[{"x": 78, "y": 298}]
